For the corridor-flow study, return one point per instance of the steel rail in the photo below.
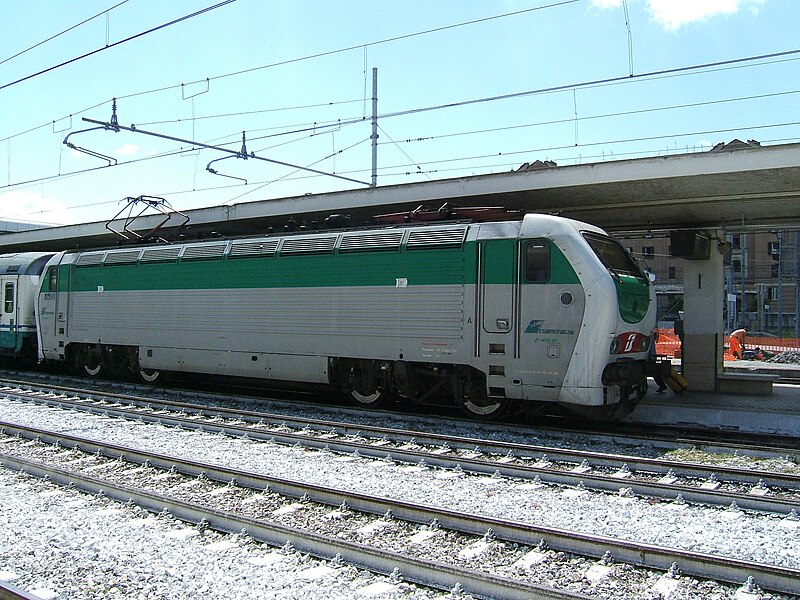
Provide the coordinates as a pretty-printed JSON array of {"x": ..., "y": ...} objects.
[
  {"x": 597, "y": 481},
  {"x": 9, "y": 591},
  {"x": 687, "y": 469},
  {"x": 428, "y": 573},
  {"x": 732, "y": 570},
  {"x": 676, "y": 439}
]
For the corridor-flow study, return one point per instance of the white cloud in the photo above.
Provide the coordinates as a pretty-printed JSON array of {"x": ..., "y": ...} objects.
[
  {"x": 32, "y": 207},
  {"x": 127, "y": 150},
  {"x": 673, "y": 14}
]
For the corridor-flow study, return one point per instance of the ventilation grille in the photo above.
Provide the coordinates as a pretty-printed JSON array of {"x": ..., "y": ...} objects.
[
  {"x": 310, "y": 245},
  {"x": 90, "y": 259},
  {"x": 123, "y": 257},
  {"x": 162, "y": 254},
  {"x": 427, "y": 238},
  {"x": 254, "y": 248},
  {"x": 204, "y": 251},
  {"x": 388, "y": 240}
]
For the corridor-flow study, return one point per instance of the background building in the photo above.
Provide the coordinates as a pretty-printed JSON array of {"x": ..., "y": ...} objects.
[{"x": 761, "y": 279}]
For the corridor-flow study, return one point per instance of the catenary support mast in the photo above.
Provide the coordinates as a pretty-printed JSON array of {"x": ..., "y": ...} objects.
[{"x": 374, "y": 136}]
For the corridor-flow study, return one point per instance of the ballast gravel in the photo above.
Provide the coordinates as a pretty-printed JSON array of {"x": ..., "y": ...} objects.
[
  {"x": 737, "y": 534},
  {"x": 63, "y": 544}
]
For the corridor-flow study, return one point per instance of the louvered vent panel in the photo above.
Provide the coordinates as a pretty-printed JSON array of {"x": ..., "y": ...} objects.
[
  {"x": 311, "y": 245},
  {"x": 385, "y": 240},
  {"x": 429, "y": 238},
  {"x": 161, "y": 254},
  {"x": 254, "y": 248},
  {"x": 90, "y": 259},
  {"x": 123, "y": 257},
  {"x": 204, "y": 251}
]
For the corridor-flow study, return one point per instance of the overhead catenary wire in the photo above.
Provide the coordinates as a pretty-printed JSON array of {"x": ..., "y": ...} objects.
[
  {"x": 123, "y": 41},
  {"x": 60, "y": 33},
  {"x": 311, "y": 57},
  {"x": 616, "y": 82},
  {"x": 625, "y": 113},
  {"x": 386, "y": 170}
]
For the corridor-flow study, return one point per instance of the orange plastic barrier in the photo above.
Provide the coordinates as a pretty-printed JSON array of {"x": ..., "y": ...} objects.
[{"x": 669, "y": 345}]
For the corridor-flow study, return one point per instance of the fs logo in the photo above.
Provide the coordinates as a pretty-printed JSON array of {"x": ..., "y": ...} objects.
[
  {"x": 535, "y": 326},
  {"x": 628, "y": 342}
]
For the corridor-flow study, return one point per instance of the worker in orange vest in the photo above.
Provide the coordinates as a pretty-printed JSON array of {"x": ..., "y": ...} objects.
[{"x": 737, "y": 343}]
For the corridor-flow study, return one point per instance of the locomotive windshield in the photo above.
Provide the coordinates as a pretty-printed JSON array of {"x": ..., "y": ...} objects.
[{"x": 613, "y": 255}]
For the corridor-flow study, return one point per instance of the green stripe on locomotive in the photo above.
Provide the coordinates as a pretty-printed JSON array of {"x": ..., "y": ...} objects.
[{"x": 441, "y": 266}]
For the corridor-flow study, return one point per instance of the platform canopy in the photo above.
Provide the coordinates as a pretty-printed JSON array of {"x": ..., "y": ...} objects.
[{"x": 739, "y": 187}]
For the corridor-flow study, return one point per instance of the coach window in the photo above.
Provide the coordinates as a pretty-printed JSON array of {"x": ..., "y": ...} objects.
[
  {"x": 537, "y": 261},
  {"x": 8, "y": 298}
]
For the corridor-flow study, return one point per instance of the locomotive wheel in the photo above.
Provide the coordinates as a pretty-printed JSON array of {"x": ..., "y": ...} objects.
[
  {"x": 149, "y": 375},
  {"x": 486, "y": 409},
  {"x": 93, "y": 366},
  {"x": 367, "y": 387},
  {"x": 375, "y": 399}
]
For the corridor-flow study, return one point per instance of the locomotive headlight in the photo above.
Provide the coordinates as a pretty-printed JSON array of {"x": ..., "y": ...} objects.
[
  {"x": 644, "y": 344},
  {"x": 615, "y": 346}
]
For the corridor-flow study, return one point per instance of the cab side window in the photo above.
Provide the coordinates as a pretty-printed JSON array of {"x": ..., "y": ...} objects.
[
  {"x": 537, "y": 261},
  {"x": 51, "y": 282},
  {"x": 8, "y": 298}
]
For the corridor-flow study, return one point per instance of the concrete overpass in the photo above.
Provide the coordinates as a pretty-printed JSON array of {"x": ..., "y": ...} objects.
[{"x": 739, "y": 187}]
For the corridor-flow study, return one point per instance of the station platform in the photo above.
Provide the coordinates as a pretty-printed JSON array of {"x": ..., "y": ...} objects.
[
  {"x": 777, "y": 412},
  {"x": 760, "y": 366}
]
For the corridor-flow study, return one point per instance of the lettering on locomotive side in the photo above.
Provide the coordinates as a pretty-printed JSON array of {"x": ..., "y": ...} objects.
[
  {"x": 436, "y": 350},
  {"x": 535, "y": 326}
]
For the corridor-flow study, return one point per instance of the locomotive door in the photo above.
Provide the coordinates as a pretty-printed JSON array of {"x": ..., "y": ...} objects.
[
  {"x": 51, "y": 304},
  {"x": 551, "y": 312},
  {"x": 498, "y": 279},
  {"x": 9, "y": 317}
]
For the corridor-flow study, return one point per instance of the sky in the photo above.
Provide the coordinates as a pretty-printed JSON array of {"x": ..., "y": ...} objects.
[{"x": 464, "y": 87}]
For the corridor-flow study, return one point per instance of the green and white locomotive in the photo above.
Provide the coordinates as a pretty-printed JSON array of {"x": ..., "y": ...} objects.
[{"x": 483, "y": 315}]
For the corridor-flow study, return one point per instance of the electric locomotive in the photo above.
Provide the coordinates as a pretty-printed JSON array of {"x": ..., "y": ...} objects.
[{"x": 487, "y": 315}]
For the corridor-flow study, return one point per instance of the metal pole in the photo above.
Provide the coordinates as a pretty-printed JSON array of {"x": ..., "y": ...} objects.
[
  {"x": 374, "y": 136},
  {"x": 780, "y": 284},
  {"x": 797, "y": 284},
  {"x": 745, "y": 264}
]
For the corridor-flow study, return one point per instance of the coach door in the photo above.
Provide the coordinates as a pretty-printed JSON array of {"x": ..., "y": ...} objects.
[
  {"x": 9, "y": 316},
  {"x": 498, "y": 278}
]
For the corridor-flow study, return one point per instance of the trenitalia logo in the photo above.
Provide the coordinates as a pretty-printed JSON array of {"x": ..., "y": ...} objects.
[{"x": 535, "y": 326}]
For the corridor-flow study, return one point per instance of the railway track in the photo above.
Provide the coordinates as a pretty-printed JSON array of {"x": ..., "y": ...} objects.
[
  {"x": 376, "y": 533},
  {"x": 235, "y": 395},
  {"x": 754, "y": 488}
]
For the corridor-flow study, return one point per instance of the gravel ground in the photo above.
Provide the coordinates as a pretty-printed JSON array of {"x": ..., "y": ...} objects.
[
  {"x": 762, "y": 538},
  {"x": 59, "y": 543}
]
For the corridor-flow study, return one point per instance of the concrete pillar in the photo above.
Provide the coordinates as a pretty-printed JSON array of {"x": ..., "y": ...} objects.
[{"x": 703, "y": 320}]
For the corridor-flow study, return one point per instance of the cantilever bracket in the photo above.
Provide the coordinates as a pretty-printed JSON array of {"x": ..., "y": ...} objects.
[
  {"x": 112, "y": 125},
  {"x": 160, "y": 205},
  {"x": 215, "y": 172},
  {"x": 238, "y": 153},
  {"x": 241, "y": 154},
  {"x": 111, "y": 160}
]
